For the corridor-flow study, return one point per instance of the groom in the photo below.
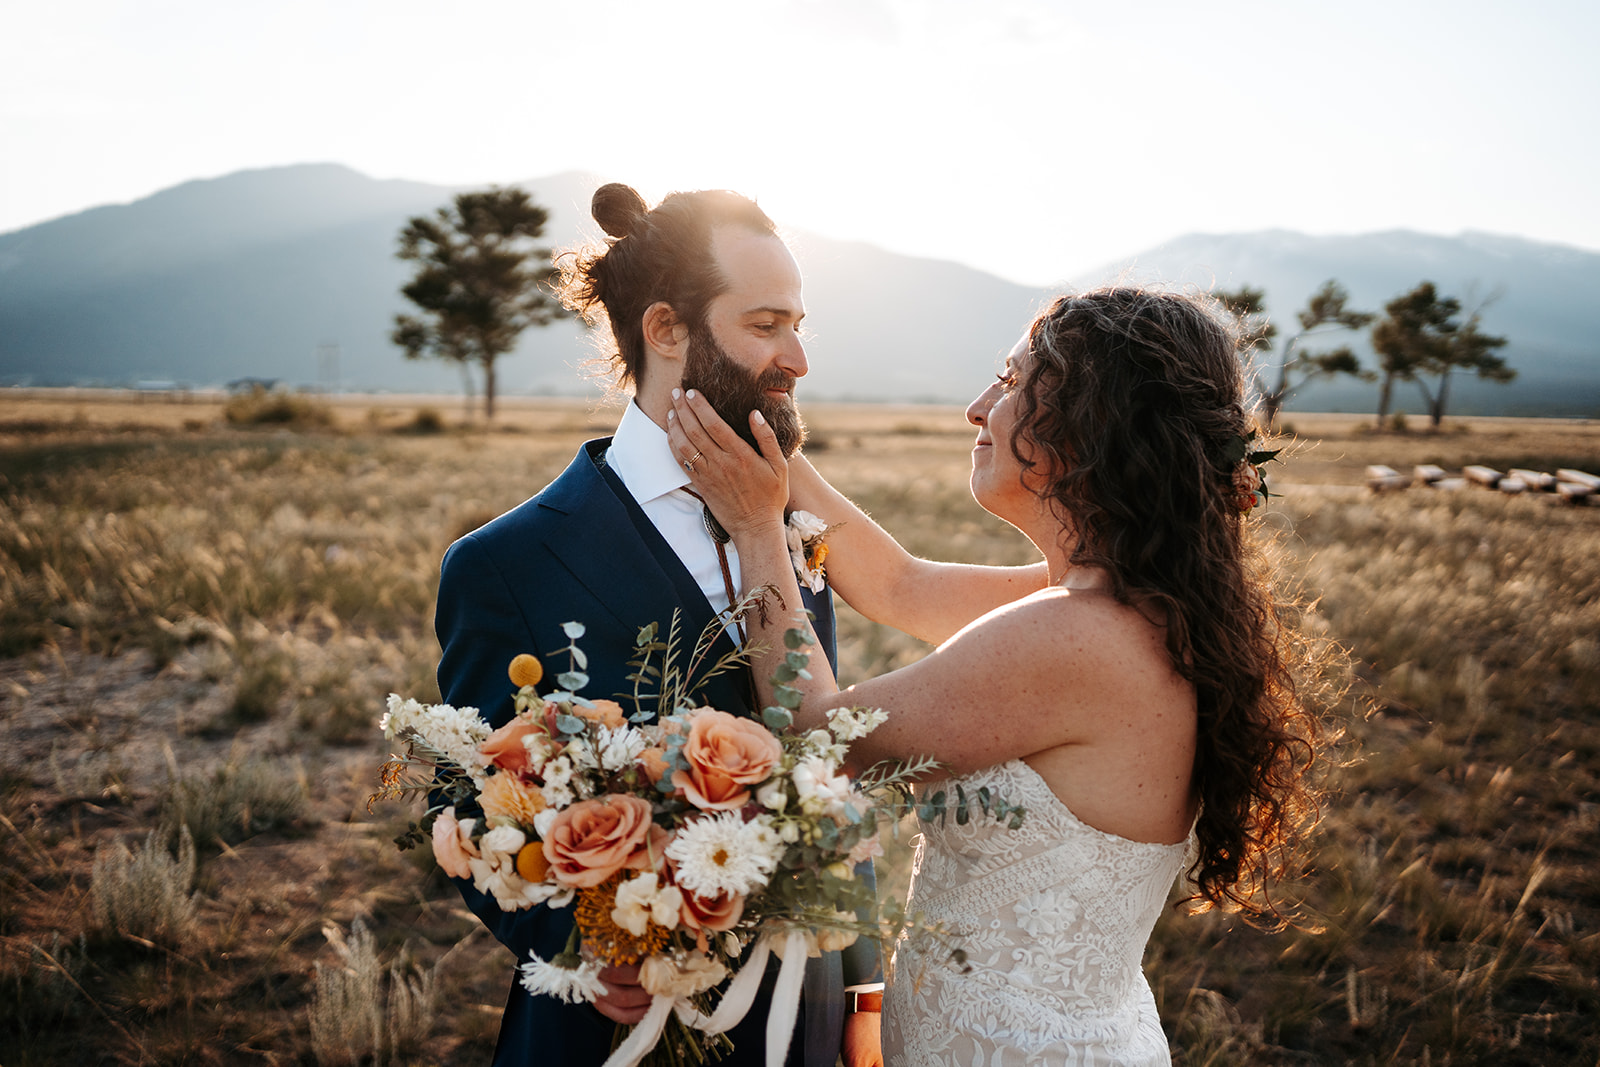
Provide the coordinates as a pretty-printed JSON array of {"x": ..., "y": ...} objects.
[{"x": 701, "y": 293}]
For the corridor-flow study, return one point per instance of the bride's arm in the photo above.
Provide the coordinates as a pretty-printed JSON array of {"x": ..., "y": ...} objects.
[
  {"x": 983, "y": 697},
  {"x": 880, "y": 579}
]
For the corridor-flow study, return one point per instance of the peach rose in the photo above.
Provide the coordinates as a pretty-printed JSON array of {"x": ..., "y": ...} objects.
[
  {"x": 507, "y": 795},
  {"x": 607, "y": 713},
  {"x": 452, "y": 844},
  {"x": 593, "y": 839},
  {"x": 720, "y": 912},
  {"x": 505, "y": 747},
  {"x": 727, "y": 755}
]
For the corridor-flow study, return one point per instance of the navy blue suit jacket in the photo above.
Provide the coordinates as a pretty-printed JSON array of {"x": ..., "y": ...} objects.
[{"x": 582, "y": 550}]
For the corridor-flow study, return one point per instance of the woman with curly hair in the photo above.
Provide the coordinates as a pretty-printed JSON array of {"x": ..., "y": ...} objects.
[{"x": 1135, "y": 692}]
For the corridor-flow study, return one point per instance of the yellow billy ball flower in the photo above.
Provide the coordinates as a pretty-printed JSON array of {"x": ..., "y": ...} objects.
[{"x": 526, "y": 670}]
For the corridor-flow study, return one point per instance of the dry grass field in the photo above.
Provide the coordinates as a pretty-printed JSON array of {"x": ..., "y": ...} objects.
[{"x": 199, "y": 621}]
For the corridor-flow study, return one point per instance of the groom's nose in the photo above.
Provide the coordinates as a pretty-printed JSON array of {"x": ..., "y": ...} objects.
[{"x": 792, "y": 357}]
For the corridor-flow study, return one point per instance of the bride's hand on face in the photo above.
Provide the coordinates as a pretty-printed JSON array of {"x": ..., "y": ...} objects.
[{"x": 744, "y": 489}]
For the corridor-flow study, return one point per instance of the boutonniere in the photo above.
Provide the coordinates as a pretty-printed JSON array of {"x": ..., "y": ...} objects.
[
  {"x": 808, "y": 549},
  {"x": 1248, "y": 488}
]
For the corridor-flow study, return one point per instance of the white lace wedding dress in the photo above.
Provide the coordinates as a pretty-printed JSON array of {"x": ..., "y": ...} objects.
[{"x": 1053, "y": 917}]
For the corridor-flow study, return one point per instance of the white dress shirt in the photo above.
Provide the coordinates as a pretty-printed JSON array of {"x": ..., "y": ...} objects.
[{"x": 641, "y": 456}]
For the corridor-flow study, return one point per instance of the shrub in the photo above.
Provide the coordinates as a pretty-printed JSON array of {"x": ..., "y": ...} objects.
[
  {"x": 353, "y": 1017},
  {"x": 264, "y": 677},
  {"x": 145, "y": 893},
  {"x": 44, "y": 987},
  {"x": 260, "y": 407},
  {"x": 232, "y": 803},
  {"x": 425, "y": 421}
]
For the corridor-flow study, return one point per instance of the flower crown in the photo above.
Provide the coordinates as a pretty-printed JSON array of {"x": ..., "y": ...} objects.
[{"x": 1247, "y": 489}]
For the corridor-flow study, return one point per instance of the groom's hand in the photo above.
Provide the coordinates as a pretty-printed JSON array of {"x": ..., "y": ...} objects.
[
  {"x": 625, "y": 1000},
  {"x": 863, "y": 1039}
]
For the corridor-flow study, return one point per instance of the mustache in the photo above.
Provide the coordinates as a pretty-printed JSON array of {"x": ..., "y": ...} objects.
[{"x": 776, "y": 379}]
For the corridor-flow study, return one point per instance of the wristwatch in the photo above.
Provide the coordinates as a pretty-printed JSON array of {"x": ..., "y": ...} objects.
[{"x": 859, "y": 1000}]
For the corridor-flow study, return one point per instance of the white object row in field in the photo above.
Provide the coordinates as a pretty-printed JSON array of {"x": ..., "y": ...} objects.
[{"x": 1573, "y": 486}]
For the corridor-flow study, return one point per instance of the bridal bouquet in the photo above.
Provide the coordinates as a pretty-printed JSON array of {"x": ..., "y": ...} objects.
[{"x": 687, "y": 840}]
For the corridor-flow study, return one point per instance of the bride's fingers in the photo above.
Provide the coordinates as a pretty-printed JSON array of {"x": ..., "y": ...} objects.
[
  {"x": 685, "y": 433},
  {"x": 696, "y": 410},
  {"x": 766, "y": 439}
]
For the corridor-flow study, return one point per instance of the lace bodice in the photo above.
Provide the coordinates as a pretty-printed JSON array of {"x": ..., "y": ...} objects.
[{"x": 1053, "y": 917}]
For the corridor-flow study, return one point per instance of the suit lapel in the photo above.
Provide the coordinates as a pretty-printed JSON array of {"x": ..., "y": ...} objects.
[{"x": 611, "y": 547}]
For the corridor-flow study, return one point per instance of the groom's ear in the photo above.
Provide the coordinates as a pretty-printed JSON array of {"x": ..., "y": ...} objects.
[{"x": 665, "y": 333}]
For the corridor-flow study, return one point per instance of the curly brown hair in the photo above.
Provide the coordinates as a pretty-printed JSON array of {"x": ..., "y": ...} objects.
[
  {"x": 651, "y": 254},
  {"x": 1131, "y": 413}
]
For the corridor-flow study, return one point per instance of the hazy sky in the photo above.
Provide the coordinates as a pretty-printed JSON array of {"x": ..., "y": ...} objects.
[{"x": 1032, "y": 138}]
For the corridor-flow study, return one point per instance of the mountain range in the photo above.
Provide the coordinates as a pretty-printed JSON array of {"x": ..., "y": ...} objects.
[{"x": 289, "y": 273}]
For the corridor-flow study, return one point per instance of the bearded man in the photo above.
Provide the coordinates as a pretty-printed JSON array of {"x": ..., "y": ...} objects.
[{"x": 699, "y": 293}]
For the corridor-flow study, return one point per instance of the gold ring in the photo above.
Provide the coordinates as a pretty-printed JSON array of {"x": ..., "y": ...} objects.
[{"x": 689, "y": 463}]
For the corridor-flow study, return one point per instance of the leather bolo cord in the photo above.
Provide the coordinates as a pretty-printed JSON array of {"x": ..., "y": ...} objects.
[{"x": 720, "y": 538}]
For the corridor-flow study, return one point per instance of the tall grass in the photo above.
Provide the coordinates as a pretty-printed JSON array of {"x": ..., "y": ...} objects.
[{"x": 248, "y": 600}]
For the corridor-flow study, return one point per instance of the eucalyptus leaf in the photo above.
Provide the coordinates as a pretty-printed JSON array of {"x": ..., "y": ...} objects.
[
  {"x": 569, "y": 724},
  {"x": 572, "y": 680},
  {"x": 796, "y": 661},
  {"x": 796, "y": 639},
  {"x": 580, "y": 658},
  {"x": 788, "y": 696},
  {"x": 777, "y": 719},
  {"x": 573, "y": 630}
]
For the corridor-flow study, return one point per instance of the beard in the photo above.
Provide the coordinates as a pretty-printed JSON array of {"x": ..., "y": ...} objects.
[{"x": 734, "y": 392}]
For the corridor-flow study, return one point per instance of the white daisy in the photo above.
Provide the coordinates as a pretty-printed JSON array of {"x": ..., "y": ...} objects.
[
  {"x": 575, "y": 985},
  {"x": 724, "y": 854},
  {"x": 620, "y": 747}
]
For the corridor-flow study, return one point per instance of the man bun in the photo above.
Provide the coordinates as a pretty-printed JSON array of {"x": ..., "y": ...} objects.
[{"x": 618, "y": 209}]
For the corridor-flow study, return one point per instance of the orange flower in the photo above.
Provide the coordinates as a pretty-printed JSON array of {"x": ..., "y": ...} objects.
[
  {"x": 525, "y": 670},
  {"x": 508, "y": 795},
  {"x": 654, "y": 763},
  {"x": 605, "y": 712},
  {"x": 594, "y": 839},
  {"x": 726, "y": 756},
  {"x": 531, "y": 864},
  {"x": 505, "y": 748}
]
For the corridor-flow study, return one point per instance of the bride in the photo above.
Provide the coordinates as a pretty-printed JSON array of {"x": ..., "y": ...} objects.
[{"x": 1133, "y": 692}]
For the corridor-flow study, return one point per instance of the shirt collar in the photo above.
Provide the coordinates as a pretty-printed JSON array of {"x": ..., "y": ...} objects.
[{"x": 642, "y": 457}]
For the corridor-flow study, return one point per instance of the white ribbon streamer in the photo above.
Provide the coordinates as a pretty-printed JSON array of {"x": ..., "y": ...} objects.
[
  {"x": 738, "y": 997},
  {"x": 733, "y": 1007},
  {"x": 645, "y": 1034},
  {"x": 786, "y": 998}
]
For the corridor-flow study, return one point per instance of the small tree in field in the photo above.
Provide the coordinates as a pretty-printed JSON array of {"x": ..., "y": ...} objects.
[
  {"x": 1325, "y": 312},
  {"x": 1420, "y": 335},
  {"x": 481, "y": 280}
]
